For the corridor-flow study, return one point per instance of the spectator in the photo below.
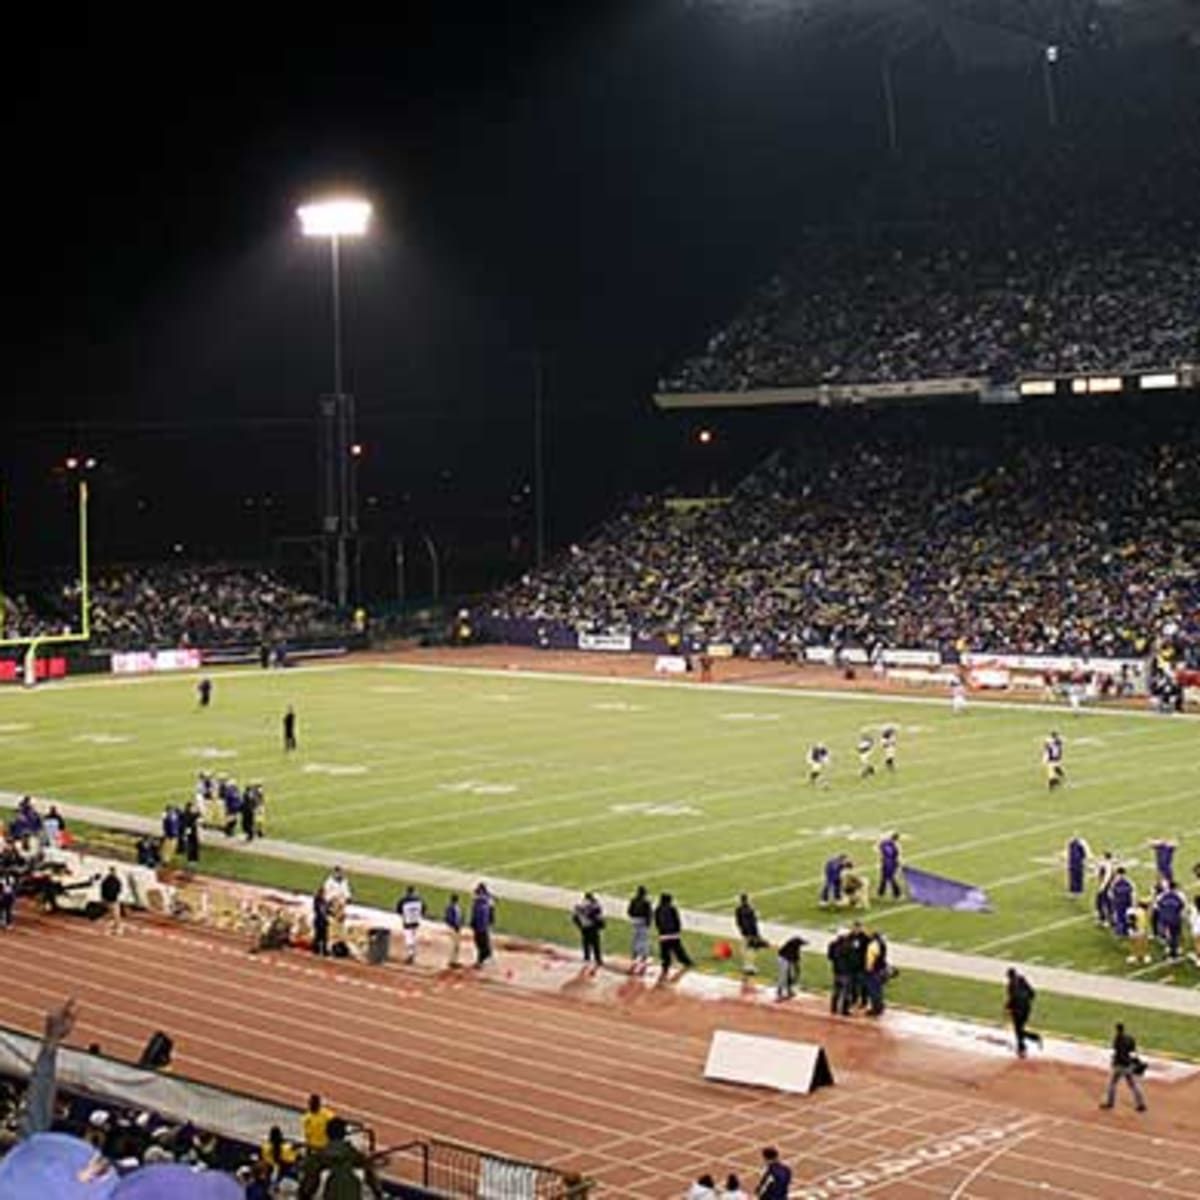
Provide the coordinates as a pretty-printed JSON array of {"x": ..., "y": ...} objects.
[
  {"x": 278, "y": 1154},
  {"x": 788, "y": 960},
  {"x": 483, "y": 917},
  {"x": 776, "y": 1178},
  {"x": 588, "y": 918},
  {"x": 339, "y": 1170},
  {"x": 669, "y": 926},
  {"x": 314, "y": 1125},
  {"x": 1126, "y": 1065},
  {"x": 703, "y": 1189}
]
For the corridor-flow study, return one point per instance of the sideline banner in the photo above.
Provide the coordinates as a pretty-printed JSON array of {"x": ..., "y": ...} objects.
[
  {"x": 141, "y": 662},
  {"x": 622, "y": 642}
]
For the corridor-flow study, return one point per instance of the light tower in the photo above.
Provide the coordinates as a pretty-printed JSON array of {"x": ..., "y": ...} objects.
[{"x": 337, "y": 218}]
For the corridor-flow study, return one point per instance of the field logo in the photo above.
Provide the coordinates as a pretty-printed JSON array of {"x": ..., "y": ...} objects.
[
  {"x": 210, "y": 752},
  {"x": 474, "y": 787},
  {"x": 16, "y": 727},
  {"x": 618, "y": 706},
  {"x": 649, "y": 809},
  {"x": 318, "y": 768},
  {"x": 749, "y": 716},
  {"x": 103, "y": 739}
]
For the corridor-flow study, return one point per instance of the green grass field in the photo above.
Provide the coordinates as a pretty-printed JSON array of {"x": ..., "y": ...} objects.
[{"x": 606, "y": 784}]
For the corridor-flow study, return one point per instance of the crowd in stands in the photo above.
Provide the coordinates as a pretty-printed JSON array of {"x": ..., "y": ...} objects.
[
  {"x": 172, "y": 606},
  {"x": 43, "y": 1125},
  {"x": 989, "y": 248},
  {"x": 991, "y": 531},
  {"x": 140, "y": 608}
]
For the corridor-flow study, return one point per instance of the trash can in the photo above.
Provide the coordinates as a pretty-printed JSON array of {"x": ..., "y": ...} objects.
[{"x": 379, "y": 945}]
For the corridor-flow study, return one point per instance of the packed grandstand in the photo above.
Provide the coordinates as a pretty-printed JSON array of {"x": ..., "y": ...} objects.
[
  {"x": 995, "y": 249},
  {"x": 1070, "y": 530},
  {"x": 147, "y": 607}
]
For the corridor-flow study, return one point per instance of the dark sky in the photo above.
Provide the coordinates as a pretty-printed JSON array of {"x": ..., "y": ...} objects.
[{"x": 587, "y": 181}]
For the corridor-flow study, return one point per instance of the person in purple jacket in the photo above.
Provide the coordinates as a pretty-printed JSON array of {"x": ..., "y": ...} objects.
[
  {"x": 1164, "y": 859},
  {"x": 835, "y": 868},
  {"x": 483, "y": 916},
  {"x": 889, "y": 865},
  {"x": 1171, "y": 906},
  {"x": 1121, "y": 895}
]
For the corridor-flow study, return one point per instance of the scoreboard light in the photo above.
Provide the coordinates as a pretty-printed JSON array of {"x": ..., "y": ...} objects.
[
  {"x": 1038, "y": 387},
  {"x": 1158, "y": 382},
  {"x": 1097, "y": 385}
]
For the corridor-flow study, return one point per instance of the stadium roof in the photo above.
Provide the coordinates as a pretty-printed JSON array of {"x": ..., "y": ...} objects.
[{"x": 982, "y": 31}]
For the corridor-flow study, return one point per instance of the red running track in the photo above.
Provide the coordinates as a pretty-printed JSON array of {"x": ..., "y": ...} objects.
[{"x": 610, "y": 1088}]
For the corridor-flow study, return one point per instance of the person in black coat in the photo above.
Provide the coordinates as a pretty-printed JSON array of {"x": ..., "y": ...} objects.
[
  {"x": 1018, "y": 1002},
  {"x": 746, "y": 920},
  {"x": 669, "y": 926},
  {"x": 189, "y": 833},
  {"x": 320, "y": 921}
]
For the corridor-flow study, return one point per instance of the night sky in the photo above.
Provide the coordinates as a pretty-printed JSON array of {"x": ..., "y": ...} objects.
[
  {"x": 600, "y": 184},
  {"x": 591, "y": 188}
]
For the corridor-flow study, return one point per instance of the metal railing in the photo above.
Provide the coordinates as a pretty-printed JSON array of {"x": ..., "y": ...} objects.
[{"x": 454, "y": 1171}]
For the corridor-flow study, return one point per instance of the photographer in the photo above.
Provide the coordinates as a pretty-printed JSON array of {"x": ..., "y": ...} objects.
[{"x": 1125, "y": 1065}]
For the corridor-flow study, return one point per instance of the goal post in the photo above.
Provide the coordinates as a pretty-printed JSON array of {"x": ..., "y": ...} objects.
[{"x": 83, "y": 632}]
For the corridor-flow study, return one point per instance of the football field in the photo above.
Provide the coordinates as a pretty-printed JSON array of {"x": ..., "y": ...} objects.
[{"x": 607, "y": 784}]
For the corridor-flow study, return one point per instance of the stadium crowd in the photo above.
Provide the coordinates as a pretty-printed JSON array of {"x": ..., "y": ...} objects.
[
  {"x": 146, "y": 607},
  {"x": 988, "y": 249},
  {"x": 45, "y": 1126},
  {"x": 885, "y": 528},
  {"x": 161, "y": 607}
]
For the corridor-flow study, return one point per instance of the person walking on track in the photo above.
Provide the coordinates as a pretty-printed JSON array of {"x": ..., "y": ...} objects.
[
  {"x": 669, "y": 927},
  {"x": 1018, "y": 1003},
  {"x": 1126, "y": 1065}
]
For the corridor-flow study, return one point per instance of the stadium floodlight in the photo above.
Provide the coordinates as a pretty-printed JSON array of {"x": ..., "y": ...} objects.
[
  {"x": 335, "y": 218},
  {"x": 339, "y": 217}
]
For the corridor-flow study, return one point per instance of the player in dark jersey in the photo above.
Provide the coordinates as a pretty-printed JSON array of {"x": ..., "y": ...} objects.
[
  {"x": 817, "y": 760},
  {"x": 1052, "y": 759}
]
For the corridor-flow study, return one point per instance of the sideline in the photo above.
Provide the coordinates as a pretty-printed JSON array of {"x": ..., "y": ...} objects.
[
  {"x": 977, "y": 703},
  {"x": 957, "y": 964}
]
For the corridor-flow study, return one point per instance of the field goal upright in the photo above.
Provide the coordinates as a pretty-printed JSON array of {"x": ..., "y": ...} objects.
[{"x": 31, "y": 642}]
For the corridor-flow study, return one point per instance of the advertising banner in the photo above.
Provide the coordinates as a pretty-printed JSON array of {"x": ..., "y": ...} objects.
[
  {"x": 621, "y": 642},
  {"x": 144, "y": 662}
]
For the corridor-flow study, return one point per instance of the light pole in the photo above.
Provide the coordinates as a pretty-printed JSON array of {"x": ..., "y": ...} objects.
[{"x": 335, "y": 219}]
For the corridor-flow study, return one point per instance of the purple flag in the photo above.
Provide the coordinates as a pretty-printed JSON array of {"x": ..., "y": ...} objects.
[{"x": 939, "y": 892}]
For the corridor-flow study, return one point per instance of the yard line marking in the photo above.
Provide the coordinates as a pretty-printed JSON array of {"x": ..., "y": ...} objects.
[
  {"x": 796, "y": 843},
  {"x": 1001, "y": 837}
]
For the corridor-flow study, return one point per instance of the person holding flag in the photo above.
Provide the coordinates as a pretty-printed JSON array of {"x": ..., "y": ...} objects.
[{"x": 889, "y": 865}]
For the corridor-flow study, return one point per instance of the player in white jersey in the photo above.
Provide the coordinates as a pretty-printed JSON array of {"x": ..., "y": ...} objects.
[{"x": 411, "y": 908}]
